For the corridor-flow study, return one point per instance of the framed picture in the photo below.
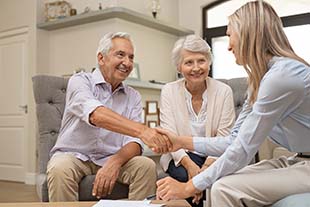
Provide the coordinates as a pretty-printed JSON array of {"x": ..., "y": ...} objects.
[
  {"x": 57, "y": 10},
  {"x": 143, "y": 117},
  {"x": 151, "y": 107},
  {"x": 135, "y": 73},
  {"x": 152, "y": 124}
]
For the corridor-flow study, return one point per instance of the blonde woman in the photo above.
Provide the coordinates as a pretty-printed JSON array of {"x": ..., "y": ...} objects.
[
  {"x": 278, "y": 106},
  {"x": 195, "y": 105}
]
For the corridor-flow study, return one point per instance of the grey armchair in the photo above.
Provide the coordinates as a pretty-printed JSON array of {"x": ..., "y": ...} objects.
[{"x": 49, "y": 94}]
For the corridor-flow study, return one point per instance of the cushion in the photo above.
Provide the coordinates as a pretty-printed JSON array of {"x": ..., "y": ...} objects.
[{"x": 297, "y": 200}]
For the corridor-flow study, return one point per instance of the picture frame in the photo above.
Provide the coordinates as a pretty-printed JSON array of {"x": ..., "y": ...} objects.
[
  {"x": 135, "y": 73},
  {"x": 57, "y": 10},
  {"x": 143, "y": 116},
  {"x": 151, "y": 107},
  {"x": 152, "y": 124}
]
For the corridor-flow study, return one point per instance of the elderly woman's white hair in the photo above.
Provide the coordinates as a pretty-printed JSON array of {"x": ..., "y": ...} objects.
[
  {"x": 105, "y": 43},
  {"x": 191, "y": 43}
]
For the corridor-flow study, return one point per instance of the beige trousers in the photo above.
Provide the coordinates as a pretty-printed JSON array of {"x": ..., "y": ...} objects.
[
  {"x": 65, "y": 171},
  {"x": 262, "y": 184}
]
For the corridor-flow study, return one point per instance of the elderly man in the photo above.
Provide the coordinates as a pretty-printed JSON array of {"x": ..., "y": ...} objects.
[{"x": 100, "y": 130}]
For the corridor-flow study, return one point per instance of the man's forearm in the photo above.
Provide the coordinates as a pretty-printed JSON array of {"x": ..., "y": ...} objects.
[
  {"x": 108, "y": 119},
  {"x": 127, "y": 152}
]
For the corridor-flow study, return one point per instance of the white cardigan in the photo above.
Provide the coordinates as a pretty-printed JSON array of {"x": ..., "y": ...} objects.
[{"x": 174, "y": 113}]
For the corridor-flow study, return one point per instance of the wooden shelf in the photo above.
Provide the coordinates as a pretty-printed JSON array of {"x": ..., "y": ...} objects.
[
  {"x": 143, "y": 84},
  {"x": 115, "y": 12}
]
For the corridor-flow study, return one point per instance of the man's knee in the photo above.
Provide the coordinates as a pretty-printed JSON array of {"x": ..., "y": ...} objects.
[
  {"x": 145, "y": 165},
  {"x": 58, "y": 169}
]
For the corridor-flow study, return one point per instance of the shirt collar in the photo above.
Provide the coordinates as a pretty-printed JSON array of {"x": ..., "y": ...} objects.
[
  {"x": 272, "y": 61},
  {"x": 99, "y": 79}
]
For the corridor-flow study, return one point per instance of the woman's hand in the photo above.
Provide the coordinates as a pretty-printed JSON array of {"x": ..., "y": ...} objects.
[
  {"x": 197, "y": 198},
  {"x": 174, "y": 139},
  {"x": 209, "y": 161},
  {"x": 190, "y": 166},
  {"x": 171, "y": 189},
  {"x": 156, "y": 141}
]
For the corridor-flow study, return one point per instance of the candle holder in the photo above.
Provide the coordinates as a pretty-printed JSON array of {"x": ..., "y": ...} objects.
[{"x": 155, "y": 8}]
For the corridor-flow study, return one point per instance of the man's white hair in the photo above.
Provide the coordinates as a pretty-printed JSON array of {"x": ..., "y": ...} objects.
[{"x": 105, "y": 43}]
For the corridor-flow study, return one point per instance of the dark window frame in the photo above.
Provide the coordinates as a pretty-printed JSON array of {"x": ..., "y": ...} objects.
[{"x": 209, "y": 33}]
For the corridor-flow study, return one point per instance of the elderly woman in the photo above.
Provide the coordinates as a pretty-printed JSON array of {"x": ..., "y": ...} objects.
[{"x": 195, "y": 105}]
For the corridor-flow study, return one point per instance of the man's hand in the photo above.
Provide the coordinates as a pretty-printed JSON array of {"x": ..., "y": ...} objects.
[
  {"x": 173, "y": 138},
  {"x": 106, "y": 178},
  {"x": 159, "y": 143},
  {"x": 170, "y": 189}
]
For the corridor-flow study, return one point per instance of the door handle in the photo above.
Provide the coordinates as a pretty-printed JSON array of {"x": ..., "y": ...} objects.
[{"x": 24, "y": 108}]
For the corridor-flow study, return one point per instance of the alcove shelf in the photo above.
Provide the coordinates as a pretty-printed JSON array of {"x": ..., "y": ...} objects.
[
  {"x": 115, "y": 12},
  {"x": 143, "y": 84}
]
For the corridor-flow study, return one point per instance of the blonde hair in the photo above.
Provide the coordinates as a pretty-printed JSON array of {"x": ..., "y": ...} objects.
[{"x": 261, "y": 36}]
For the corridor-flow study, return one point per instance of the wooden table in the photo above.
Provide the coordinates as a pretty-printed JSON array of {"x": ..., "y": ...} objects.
[{"x": 176, "y": 203}]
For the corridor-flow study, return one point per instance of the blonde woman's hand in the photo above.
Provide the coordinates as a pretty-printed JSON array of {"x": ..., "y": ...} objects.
[
  {"x": 156, "y": 141},
  {"x": 174, "y": 139},
  {"x": 197, "y": 198},
  {"x": 171, "y": 189}
]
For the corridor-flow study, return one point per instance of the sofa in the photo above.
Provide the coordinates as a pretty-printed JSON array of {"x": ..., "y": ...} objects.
[{"x": 49, "y": 94}]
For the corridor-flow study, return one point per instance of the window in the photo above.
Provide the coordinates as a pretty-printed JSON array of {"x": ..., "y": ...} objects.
[
  {"x": 294, "y": 18},
  {"x": 299, "y": 39}
]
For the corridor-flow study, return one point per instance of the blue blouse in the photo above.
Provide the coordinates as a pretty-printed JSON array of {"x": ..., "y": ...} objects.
[{"x": 281, "y": 111}]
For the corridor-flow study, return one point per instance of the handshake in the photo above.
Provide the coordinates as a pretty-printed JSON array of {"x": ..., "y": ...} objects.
[{"x": 161, "y": 140}]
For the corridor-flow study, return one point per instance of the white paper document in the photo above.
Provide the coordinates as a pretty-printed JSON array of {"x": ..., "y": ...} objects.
[{"x": 126, "y": 203}]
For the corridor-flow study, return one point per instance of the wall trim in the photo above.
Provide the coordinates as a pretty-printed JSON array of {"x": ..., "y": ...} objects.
[
  {"x": 12, "y": 32},
  {"x": 30, "y": 178}
]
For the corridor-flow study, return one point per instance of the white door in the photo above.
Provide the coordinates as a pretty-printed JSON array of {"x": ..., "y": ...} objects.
[{"x": 13, "y": 104}]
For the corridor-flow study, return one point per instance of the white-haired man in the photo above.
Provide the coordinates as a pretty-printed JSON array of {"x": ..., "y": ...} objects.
[{"x": 100, "y": 132}]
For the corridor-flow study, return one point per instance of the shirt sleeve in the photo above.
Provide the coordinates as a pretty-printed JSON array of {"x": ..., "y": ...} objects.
[
  {"x": 279, "y": 94},
  {"x": 80, "y": 99},
  {"x": 216, "y": 146},
  {"x": 135, "y": 115},
  {"x": 167, "y": 120}
]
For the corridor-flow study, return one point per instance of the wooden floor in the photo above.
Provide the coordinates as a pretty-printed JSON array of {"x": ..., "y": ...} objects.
[{"x": 17, "y": 192}]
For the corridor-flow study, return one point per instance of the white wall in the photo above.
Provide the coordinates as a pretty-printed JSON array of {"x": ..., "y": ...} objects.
[
  {"x": 75, "y": 47},
  {"x": 57, "y": 52},
  {"x": 168, "y": 9},
  {"x": 16, "y": 14},
  {"x": 190, "y": 14},
  {"x": 65, "y": 50}
]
